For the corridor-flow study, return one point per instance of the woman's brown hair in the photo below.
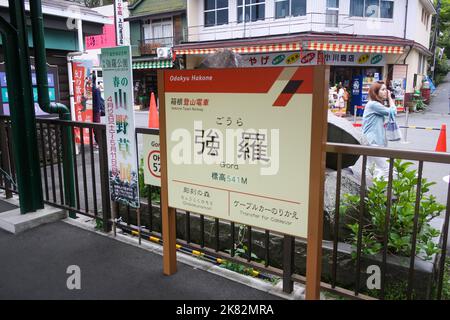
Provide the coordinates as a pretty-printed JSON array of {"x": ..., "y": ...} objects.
[{"x": 375, "y": 90}]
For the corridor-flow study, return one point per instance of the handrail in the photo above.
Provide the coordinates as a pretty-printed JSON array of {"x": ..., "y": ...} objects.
[{"x": 415, "y": 155}]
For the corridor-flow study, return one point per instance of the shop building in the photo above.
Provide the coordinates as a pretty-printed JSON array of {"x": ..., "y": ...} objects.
[
  {"x": 65, "y": 27},
  {"x": 155, "y": 27},
  {"x": 370, "y": 39}
]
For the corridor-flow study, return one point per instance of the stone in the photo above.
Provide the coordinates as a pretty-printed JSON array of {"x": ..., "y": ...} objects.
[
  {"x": 223, "y": 58},
  {"x": 341, "y": 130}
]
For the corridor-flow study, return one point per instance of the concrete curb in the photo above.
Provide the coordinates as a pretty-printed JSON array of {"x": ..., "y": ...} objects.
[{"x": 14, "y": 222}]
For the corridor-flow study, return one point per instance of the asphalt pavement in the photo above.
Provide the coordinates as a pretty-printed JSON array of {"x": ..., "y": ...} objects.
[{"x": 35, "y": 265}]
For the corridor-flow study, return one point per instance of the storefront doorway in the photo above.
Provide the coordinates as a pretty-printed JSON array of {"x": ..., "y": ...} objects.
[
  {"x": 346, "y": 76},
  {"x": 145, "y": 82}
]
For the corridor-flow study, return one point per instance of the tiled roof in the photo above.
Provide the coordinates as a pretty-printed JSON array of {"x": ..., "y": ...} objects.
[{"x": 152, "y": 7}]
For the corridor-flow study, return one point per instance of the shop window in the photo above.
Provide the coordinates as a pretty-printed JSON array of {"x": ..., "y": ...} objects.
[
  {"x": 387, "y": 9},
  {"x": 287, "y": 8},
  {"x": 216, "y": 12},
  {"x": 372, "y": 8},
  {"x": 425, "y": 18},
  {"x": 251, "y": 10}
]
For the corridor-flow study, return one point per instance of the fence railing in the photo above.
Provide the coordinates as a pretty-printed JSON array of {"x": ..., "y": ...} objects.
[{"x": 262, "y": 252}]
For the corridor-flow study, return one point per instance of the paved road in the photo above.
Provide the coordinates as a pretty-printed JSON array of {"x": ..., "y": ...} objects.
[{"x": 33, "y": 266}]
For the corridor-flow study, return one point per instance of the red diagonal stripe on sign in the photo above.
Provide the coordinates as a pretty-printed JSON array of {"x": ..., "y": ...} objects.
[{"x": 302, "y": 77}]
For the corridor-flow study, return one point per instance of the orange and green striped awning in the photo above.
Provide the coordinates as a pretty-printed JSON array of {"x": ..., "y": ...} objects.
[{"x": 346, "y": 47}]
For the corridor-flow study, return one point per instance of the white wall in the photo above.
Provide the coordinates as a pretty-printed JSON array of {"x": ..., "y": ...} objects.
[
  {"x": 417, "y": 30},
  {"x": 413, "y": 64},
  {"x": 193, "y": 19},
  {"x": 313, "y": 21}
]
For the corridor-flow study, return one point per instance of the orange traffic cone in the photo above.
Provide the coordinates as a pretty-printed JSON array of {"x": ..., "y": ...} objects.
[
  {"x": 153, "y": 118},
  {"x": 442, "y": 141}
]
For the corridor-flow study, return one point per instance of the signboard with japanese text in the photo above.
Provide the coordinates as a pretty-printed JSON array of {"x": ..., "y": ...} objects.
[
  {"x": 152, "y": 160},
  {"x": 118, "y": 86},
  {"x": 119, "y": 21},
  {"x": 282, "y": 59},
  {"x": 354, "y": 59},
  {"x": 239, "y": 144},
  {"x": 302, "y": 58}
]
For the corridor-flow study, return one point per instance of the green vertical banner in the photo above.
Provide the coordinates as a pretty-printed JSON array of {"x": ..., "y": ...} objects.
[{"x": 121, "y": 144}]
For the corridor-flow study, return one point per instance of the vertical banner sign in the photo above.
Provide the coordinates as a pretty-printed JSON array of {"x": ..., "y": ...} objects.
[
  {"x": 82, "y": 89},
  {"x": 119, "y": 21},
  {"x": 152, "y": 160},
  {"x": 122, "y": 155}
]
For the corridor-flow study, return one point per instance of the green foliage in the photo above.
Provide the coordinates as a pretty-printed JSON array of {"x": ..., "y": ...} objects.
[
  {"x": 143, "y": 192},
  {"x": 442, "y": 68},
  {"x": 446, "y": 280},
  {"x": 241, "y": 250},
  {"x": 395, "y": 290},
  {"x": 98, "y": 224},
  {"x": 404, "y": 187},
  {"x": 143, "y": 188}
]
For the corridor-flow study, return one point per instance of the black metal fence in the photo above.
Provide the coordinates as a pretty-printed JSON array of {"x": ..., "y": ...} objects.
[{"x": 262, "y": 252}]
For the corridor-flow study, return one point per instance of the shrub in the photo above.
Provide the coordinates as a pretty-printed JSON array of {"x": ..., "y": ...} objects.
[{"x": 401, "y": 224}]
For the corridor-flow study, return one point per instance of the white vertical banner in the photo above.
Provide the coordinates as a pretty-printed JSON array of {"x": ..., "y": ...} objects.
[
  {"x": 119, "y": 21},
  {"x": 121, "y": 143}
]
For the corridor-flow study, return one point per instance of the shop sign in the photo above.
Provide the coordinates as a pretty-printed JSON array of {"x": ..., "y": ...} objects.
[
  {"x": 300, "y": 58},
  {"x": 354, "y": 59},
  {"x": 121, "y": 143}
]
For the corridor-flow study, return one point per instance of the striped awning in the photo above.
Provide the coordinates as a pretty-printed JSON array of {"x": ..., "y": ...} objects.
[
  {"x": 153, "y": 64},
  {"x": 242, "y": 50},
  {"x": 344, "y": 47}
]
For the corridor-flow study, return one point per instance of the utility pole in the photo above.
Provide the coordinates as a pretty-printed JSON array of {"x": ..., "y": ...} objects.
[{"x": 436, "y": 35}]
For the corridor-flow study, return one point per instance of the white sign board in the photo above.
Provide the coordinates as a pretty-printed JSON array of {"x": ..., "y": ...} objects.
[
  {"x": 152, "y": 160},
  {"x": 119, "y": 21},
  {"x": 239, "y": 144}
]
